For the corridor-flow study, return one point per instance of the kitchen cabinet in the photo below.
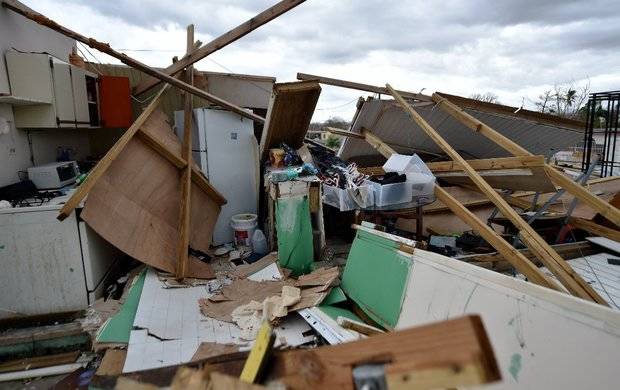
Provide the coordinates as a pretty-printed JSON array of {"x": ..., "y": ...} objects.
[{"x": 50, "y": 93}]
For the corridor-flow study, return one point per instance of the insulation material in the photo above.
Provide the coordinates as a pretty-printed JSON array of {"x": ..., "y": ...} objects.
[
  {"x": 294, "y": 229},
  {"x": 135, "y": 204}
]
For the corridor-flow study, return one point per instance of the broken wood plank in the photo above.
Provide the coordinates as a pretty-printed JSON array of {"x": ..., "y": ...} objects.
[
  {"x": 186, "y": 173},
  {"x": 39, "y": 361},
  {"x": 497, "y": 262},
  {"x": 107, "y": 160},
  {"x": 359, "y": 327},
  {"x": 524, "y": 179},
  {"x": 490, "y": 163},
  {"x": 384, "y": 149},
  {"x": 507, "y": 251},
  {"x": 562, "y": 270},
  {"x": 360, "y": 86},
  {"x": 496, "y": 241},
  {"x": 290, "y": 110},
  {"x": 112, "y": 362},
  {"x": 454, "y": 349},
  {"x": 578, "y": 191},
  {"x": 223, "y": 40},
  {"x": 17, "y": 7},
  {"x": 344, "y": 133},
  {"x": 594, "y": 228}
]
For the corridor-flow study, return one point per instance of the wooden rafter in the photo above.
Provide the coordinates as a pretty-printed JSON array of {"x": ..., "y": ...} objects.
[
  {"x": 186, "y": 173},
  {"x": 554, "y": 262},
  {"x": 223, "y": 40},
  {"x": 360, "y": 86},
  {"x": 19, "y": 8},
  {"x": 581, "y": 193},
  {"x": 517, "y": 259}
]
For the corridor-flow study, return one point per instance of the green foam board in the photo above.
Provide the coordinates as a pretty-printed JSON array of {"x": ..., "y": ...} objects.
[
  {"x": 118, "y": 327},
  {"x": 376, "y": 276}
]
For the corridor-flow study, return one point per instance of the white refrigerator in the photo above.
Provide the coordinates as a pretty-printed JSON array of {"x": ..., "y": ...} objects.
[{"x": 225, "y": 148}]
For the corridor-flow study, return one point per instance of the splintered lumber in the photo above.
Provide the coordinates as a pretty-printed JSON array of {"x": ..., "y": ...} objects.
[
  {"x": 19, "y": 8},
  {"x": 594, "y": 228},
  {"x": 562, "y": 270},
  {"x": 508, "y": 251},
  {"x": 445, "y": 354},
  {"x": 186, "y": 174},
  {"x": 360, "y": 86},
  {"x": 223, "y": 40},
  {"x": 497, "y": 262},
  {"x": 527, "y": 179},
  {"x": 289, "y": 114},
  {"x": 578, "y": 191},
  {"x": 512, "y": 255},
  {"x": 109, "y": 158},
  {"x": 135, "y": 203},
  {"x": 344, "y": 133},
  {"x": 490, "y": 163}
]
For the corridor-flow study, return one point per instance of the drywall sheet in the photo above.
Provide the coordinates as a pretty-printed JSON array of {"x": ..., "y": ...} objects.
[
  {"x": 542, "y": 339},
  {"x": 135, "y": 204},
  {"x": 289, "y": 114},
  {"x": 294, "y": 228},
  {"x": 375, "y": 277},
  {"x": 169, "y": 328}
]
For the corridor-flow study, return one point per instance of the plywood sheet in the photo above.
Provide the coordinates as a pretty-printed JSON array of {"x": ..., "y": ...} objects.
[
  {"x": 135, "y": 204},
  {"x": 290, "y": 111}
]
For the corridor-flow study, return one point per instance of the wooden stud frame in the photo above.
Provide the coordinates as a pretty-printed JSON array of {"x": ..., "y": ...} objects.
[{"x": 549, "y": 257}]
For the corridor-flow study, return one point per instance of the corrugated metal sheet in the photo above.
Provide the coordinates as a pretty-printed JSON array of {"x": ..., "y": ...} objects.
[{"x": 386, "y": 119}]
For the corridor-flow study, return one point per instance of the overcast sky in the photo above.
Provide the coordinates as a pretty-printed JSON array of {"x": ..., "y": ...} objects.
[{"x": 514, "y": 49}]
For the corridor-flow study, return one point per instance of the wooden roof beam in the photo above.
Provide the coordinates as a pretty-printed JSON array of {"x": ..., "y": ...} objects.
[
  {"x": 222, "y": 41},
  {"x": 578, "y": 191},
  {"x": 19, "y": 8},
  {"x": 519, "y": 261},
  {"x": 554, "y": 262},
  {"x": 360, "y": 86}
]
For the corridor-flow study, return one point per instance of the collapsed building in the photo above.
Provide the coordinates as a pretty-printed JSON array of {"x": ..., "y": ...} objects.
[{"x": 439, "y": 247}]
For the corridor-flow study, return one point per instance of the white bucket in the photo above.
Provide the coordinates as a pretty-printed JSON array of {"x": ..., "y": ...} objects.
[{"x": 244, "y": 226}]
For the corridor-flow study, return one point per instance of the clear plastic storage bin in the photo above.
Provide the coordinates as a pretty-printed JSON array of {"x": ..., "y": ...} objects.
[
  {"x": 390, "y": 194},
  {"x": 348, "y": 199}
]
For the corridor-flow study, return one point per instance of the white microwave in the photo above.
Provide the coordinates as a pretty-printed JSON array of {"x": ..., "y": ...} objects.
[{"x": 54, "y": 175}]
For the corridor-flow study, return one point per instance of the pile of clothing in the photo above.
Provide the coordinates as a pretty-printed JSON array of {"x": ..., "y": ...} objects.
[{"x": 334, "y": 171}]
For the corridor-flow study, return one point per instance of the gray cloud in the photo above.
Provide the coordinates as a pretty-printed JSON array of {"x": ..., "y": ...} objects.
[{"x": 461, "y": 46}]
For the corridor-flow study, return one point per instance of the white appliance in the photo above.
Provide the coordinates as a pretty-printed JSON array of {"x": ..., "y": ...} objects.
[
  {"x": 226, "y": 150},
  {"x": 54, "y": 175},
  {"x": 50, "y": 266}
]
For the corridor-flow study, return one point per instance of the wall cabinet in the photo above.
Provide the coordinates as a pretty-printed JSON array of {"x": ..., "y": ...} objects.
[{"x": 57, "y": 93}]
